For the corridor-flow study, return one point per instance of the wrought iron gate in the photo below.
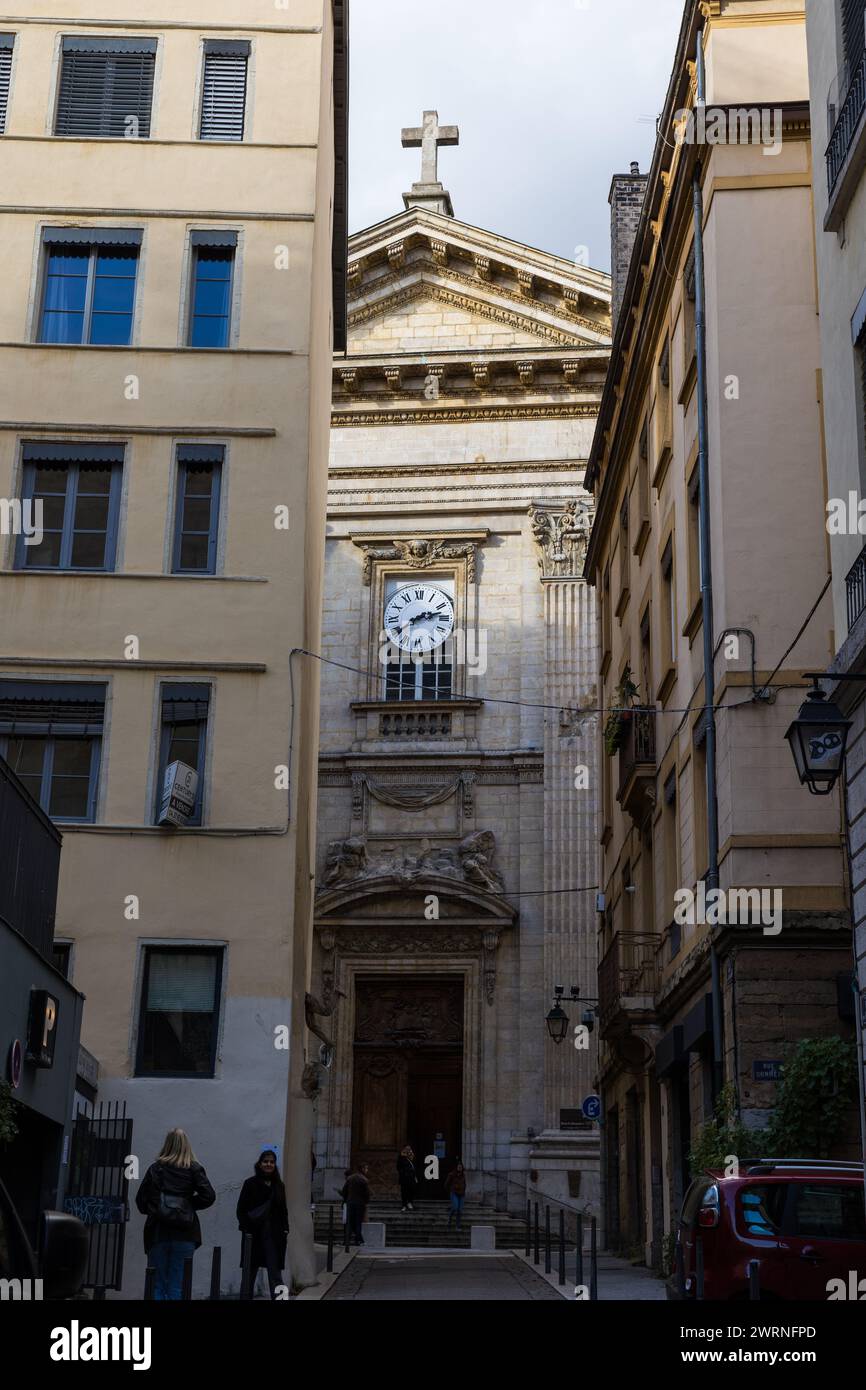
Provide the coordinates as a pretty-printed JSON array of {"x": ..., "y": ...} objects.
[{"x": 98, "y": 1189}]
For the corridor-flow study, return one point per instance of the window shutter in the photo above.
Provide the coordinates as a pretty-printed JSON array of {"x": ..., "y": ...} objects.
[
  {"x": 181, "y": 982},
  {"x": 854, "y": 32},
  {"x": 6, "y": 42},
  {"x": 43, "y": 707},
  {"x": 102, "y": 84},
  {"x": 185, "y": 704},
  {"x": 224, "y": 90}
]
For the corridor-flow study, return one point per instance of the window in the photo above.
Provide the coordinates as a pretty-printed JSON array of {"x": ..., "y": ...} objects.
[
  {"x": 198, "y": 500},
  {"x": 761, "y": 1208},
  {"x": 694, "y": 539},
  {"x": 106, "y": 87},
  {"x": 624, "y": 556},
  {"x": 7, "y": 43},
  {"x": 212, "y": 277},
  {"x": 177, "y": 1032},
  {"x": 75, "y": 490},
  {"x": 663, "y": 426},
  {"x": 648, "y": 887},
  {"x": 61, "y": 957},
  {"x": 671, "y": 857},
  {"x": 699, "y": 792},
  {"x": 89, "y": 288},
  {"x": 643, "y": 487},
  {"x": 419, "y": 678},
  {"x": 828, "y": 1211},
  {"x": 668, "y": 607},
  {"x": 689, "y": 299},
  {"x": 224, "y": 89},
  {"x": 51, "y": 737},
  {"x": 182, "y": 735},
  {"x": 853, "y": 34},
  {"x": 606, "y": 622}
]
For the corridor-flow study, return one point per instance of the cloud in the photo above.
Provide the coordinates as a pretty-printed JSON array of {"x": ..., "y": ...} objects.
[{"x": 548, "y": 94}]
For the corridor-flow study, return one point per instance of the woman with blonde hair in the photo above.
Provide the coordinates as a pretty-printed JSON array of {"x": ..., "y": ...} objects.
[{"x": 173, "y": 1191}]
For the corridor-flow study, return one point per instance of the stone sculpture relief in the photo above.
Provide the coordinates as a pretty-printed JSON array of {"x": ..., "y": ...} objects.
[
  {"x": 350, "y": 861},
  {"x": 563, "y": 536}
]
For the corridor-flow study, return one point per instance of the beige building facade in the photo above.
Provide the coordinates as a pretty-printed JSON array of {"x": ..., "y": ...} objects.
[
  {"x": 836, "y": 36},
  {"x": 456, "y": 832},
  {"x": 173, "y": 213},
  {"x": 778, "y": 978}
]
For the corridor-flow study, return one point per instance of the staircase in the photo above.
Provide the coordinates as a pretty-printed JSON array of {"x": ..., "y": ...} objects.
[{"x": 427, "y": 1225}]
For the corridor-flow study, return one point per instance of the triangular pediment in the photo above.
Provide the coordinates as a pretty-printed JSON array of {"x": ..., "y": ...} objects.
[{"x": 423, "y": 282}]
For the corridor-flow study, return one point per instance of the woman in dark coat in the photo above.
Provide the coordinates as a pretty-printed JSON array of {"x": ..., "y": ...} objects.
[
  {"x": 407, "y": 1177},
  {"x": 262, "y": 1214},
  {"x": 172, "y": 1192}
]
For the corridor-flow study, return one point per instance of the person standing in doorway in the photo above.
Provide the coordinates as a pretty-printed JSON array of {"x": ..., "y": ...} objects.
[
  {"x": 407, "y": 1177},
  {"x": 173, "y": 1191},
  {"x": 455, "y": 1186},
  {"x": 262, "y": 1214},
  {"x": 356, "y": 1194}
]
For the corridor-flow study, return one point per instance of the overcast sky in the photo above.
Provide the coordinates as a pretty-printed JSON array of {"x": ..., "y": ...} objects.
[{"x": 548, "y": 95}]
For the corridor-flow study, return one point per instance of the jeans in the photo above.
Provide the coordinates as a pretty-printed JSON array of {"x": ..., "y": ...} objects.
[
  {"x": 355, "y": 1214},
  {"x": 167, "y": 1259},
  {"x": 456, "y": 1206}
]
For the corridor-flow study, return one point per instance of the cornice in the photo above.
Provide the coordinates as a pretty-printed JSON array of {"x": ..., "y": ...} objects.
[
  {"x": 461, "y": 470},
  {"x": 496, "y": 313},
  {"x": 463, "y": 415}
]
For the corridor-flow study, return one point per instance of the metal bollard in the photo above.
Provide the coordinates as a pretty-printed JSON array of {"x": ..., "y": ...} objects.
[
  {"x": 537, "y": 1257},
  {"x": 547, "y": 1240},
  {"x": 246, "y": 1268},
  {"x": 528, "y": 1229},
  {"x": 593, "y": 1264},
  {"x": 215, "y": 1272},
  {"x": 578, "y": 1265},
  {"x": 561, "y": 1246},
  {"x": 346, "y": 1235},
  {"x": 330, "y": 1265},
  {"x": 186, "y": 1286},
  {"x": 754, "y": 1281},
  {"x": 149, "y": 1279},
  {"x": 699, "y": 1268},
  {"x": 680, "y": 1270}
]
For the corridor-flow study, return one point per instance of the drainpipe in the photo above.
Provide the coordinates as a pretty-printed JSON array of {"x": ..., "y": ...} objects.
[{"x": 709, "y": 717}]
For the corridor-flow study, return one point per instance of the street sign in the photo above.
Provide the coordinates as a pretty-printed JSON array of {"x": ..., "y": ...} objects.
[
  {"x": 770, "y": 1070},
  {"x": 591, "y": 1107}
]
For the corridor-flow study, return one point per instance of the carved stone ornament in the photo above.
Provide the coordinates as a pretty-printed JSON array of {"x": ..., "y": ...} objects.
[
  {"x": 420, "y": 555},
  {"x": 348, "y": 861},
  {"x": 563, "y": 537},
  {"x": 311, "y": 1080},
  {"x": 410, "y": 798}
]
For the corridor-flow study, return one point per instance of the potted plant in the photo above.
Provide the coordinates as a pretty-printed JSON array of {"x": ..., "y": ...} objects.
[{"x": 625, "y": 696}]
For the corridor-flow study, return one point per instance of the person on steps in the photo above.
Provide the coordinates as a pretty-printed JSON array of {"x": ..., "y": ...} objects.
[
  {"x": 407, "y": 1178},
  {"x": 455, "y": 1186},
  {"x": 356, "y": 1194}
]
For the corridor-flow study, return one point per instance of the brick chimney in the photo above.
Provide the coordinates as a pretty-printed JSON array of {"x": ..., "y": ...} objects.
[{"x": 627, "y": 192}]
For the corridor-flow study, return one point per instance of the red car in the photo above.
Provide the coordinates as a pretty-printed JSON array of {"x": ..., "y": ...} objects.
[{"x": 802, "y": 1220}]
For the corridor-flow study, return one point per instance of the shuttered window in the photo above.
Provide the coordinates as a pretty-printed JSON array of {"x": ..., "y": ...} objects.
[
  {"x": 6, "y": 44},
  {"x": 70, "y": 506},
  {"x": 179, "y": 1011},
  {"x": 224, "y": 89},
  {"x": 51, "y": 736},
  {"x": 183, "y": 728},
  {"x": 106, "y": 87}
]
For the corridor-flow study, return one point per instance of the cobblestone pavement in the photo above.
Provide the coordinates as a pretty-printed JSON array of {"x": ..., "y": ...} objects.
[{"x": 496, "y": 1278}]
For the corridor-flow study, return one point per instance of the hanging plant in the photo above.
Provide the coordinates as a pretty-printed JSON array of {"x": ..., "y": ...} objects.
[{"x": 625, "y": 696}]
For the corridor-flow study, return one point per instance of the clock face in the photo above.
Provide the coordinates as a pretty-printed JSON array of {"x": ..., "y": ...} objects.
[{"x": 419, "y": 617}]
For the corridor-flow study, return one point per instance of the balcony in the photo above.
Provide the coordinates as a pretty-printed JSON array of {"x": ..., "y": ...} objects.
[
  {"x": 628, "y": 979},
  {"x": 846, "y": 152},
  {"x": 855, "y": 588},
  {"x": 415, "y": 721},
  {"x": 637, "y": 763}
]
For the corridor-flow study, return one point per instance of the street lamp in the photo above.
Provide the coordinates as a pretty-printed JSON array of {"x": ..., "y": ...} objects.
[
  {"x": 558, "y": 1021},
  {"x": 818, "y": 737}
]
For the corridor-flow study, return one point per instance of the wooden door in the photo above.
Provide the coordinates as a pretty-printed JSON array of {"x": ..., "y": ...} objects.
[
  {"x": 379, "y": 1116},
  {"x": 435, "y": 1103}
]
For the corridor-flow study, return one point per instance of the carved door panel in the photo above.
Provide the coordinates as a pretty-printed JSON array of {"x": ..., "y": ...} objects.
[
  {"x": 434, "y": 1108},
  {"x": 379, "y": 1116}
]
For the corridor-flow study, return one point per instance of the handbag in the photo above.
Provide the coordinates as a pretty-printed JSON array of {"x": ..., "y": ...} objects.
[
  {"x": 257, "y": 1216},
  {"x": 174, "y": 1209}
]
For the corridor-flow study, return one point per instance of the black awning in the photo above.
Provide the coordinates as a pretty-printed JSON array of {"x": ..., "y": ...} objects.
[
  {"x": 92, "y": 236},
  {"x": 62, "y": 451},
  {"x": 108, "y": 46}
]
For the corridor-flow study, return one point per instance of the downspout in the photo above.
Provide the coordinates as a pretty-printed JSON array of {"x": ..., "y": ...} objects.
[{"x": 709, "y": 715}]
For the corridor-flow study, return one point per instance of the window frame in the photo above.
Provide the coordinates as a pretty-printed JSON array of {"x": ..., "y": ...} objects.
[
  {"x": 164, "y": 743},
  {"x": 108, "y": 48},
  {"x": 195, "y": 247},
  {"x": 240, "y": 48},
  {"x": 132, "y": 238},
  {"x": 182, "y": 467},
  {"x": 44, "y": 798},
  {"x": 179, "y": 948},
  {"x": 67, "y": 534},
  {"x": 5, "y": 83}
]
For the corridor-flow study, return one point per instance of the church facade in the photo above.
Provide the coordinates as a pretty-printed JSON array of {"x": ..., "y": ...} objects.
[{"x": 457, "y": 824}]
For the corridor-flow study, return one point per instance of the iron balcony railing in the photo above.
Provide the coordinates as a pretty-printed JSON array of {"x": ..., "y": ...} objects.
[
  {"x": 855, "y": 588},
  {"x": 638, "y": 746},
  {"x": 628, "y": 970},
  {"x": 846, "y": 125}
]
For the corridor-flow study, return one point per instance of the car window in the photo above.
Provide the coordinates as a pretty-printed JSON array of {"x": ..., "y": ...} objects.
[
  {"x": 693, "y": 1199},
  {"x": 760, "y": 1207},
  {"x": 829, "y": 1211}
]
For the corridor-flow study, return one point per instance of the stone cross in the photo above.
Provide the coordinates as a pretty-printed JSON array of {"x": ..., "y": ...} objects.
[{"x": 428, "y": 138}]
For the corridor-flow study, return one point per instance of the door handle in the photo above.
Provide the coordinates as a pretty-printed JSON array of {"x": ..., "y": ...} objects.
[{"x": 810, "y": 1253}]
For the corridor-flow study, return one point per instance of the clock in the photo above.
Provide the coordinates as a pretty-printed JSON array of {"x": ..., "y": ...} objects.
[{"x": 419, "y": 617}]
